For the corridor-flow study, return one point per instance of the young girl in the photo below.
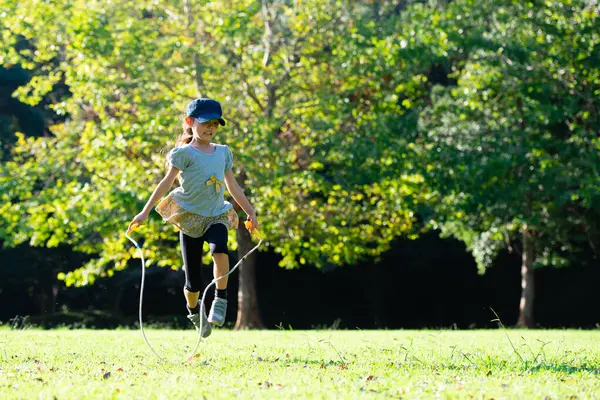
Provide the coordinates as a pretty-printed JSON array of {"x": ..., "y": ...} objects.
[{"x": 198, "y": 207}]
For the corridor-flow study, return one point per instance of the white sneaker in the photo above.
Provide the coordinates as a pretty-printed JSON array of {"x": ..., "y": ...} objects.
[
  {"x": 206, "y": 328},
  {"x": 218, "y": 311}
]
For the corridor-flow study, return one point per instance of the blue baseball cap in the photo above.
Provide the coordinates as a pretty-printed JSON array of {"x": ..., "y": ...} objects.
[{"x": 204, "y": 110}]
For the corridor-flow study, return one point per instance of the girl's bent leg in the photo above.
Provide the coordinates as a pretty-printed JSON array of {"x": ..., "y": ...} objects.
[
  {"x": 221, "y": 267},
  {"x": 217, "y": 236}
]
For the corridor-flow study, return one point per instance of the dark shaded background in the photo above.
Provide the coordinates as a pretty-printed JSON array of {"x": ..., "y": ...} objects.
[{"x": 425, "y": 283}]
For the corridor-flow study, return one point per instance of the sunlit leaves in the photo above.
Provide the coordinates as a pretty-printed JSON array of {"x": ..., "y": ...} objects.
[{"x": 301, "y": 95}]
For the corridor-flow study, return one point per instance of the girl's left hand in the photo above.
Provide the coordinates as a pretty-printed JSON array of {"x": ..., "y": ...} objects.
[{"x": 253, "y": 221}]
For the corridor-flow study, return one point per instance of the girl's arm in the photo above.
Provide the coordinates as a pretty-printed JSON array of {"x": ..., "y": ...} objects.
[
  {"x": 162, "y": 188},
  {"x": 238, "y": 195}
]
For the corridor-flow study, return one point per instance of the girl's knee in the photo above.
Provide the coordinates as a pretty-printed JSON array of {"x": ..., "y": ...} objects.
[
  {"x": 219, "y": 249},
  {"x": 193, "y": 286}
]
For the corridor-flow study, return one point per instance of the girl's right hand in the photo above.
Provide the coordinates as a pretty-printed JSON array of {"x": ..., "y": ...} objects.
[{"x": 137, "y": 221}]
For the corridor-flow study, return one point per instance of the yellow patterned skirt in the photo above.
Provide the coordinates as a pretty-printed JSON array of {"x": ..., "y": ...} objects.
[{"x": 191, "y": 224}]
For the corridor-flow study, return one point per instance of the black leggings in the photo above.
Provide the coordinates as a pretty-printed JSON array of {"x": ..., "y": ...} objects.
[{"x": 191, "y": 250}]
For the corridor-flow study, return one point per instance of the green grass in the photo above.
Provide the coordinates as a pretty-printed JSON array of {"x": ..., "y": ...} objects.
[{"x": 81, "y": 364}]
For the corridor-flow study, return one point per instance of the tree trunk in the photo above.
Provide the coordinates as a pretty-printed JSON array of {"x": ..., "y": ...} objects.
[
  {"x": 42, "y": 300},
  {"x": 248, "y": 315},
  {"x": 526, "y": 319},
  {"x": 45, "y": 299},
  {"x": 54, "y": 296},
  {"x": 191, "y": 29}
]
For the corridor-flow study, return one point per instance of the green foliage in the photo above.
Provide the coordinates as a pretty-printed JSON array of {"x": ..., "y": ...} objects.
[
  {"x": 305, "y": 133},
  {"x": 515, "y": 142},
  {"x": 346, "y": 120}
]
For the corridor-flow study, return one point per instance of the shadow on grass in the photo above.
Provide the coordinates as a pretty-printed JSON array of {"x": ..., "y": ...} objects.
[
  {"x": 567, "y": 369},
  {"x": 305, "y": 362},
  {"x": 554, "y": 368}
]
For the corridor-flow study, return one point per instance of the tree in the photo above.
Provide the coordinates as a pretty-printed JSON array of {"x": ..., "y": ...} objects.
[
  {"x": 311, "y": 107},
  {"x": 513, "y": 149},
  {"x": 302, "y": 152}
]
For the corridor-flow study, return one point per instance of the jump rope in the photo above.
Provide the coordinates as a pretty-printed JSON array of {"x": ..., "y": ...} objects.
[{"x": 214, "y": 281}]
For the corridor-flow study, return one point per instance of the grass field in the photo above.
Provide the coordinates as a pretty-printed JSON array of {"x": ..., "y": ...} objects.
[{"x": 82, "y": 364}]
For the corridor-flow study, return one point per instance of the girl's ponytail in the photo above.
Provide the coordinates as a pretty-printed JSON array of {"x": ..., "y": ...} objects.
[{"x": 185, "y": 137}]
